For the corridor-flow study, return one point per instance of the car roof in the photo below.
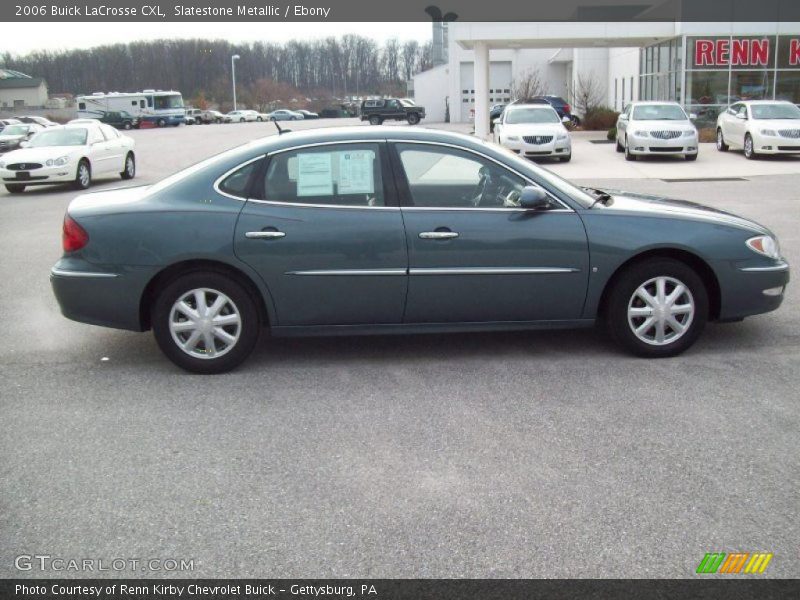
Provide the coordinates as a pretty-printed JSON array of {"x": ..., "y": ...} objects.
[
  {"x": 543, "y": 106},
  {"x": 762, "y": 102},
  {"x": 650, "y": 102}
]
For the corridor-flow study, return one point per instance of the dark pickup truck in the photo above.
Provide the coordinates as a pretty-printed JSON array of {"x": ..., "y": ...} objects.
[{"x": 391, "y": 109}]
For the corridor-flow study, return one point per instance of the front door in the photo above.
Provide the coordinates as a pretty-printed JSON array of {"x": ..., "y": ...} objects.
[
  {"x": 322, "y": 231},
  {"x": 474, "y": 255}
]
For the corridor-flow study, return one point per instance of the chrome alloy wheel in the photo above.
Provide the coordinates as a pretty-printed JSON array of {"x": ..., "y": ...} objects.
[
  {"x": 84, "y": 176},
  {"x": 205, "y": 323},
  {"x": 130, "y": 166},
  {"x": 660, "y": 311}
]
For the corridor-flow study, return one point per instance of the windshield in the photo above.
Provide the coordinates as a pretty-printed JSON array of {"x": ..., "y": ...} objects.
[
  {"x": 164, "y": 102},
  {"x": 407, "y": 103},
  {"x": 658, "y": 112},
  {"x": 531, "y": 115},
  {"x": 74, "y": 136},
  {"x": 775, "y": 111},
  {"x": 15, "y": 130}
]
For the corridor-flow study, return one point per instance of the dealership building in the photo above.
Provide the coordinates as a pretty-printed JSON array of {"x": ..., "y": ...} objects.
[{"x": 704, "y": 66}]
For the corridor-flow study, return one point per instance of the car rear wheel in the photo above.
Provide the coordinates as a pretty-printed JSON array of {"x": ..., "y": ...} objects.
[
  {"x": 413, "y": 118},
  {"x": 83, "y": 176},
  {"x": 129, "y": 172},
  {"x": 657, "y": 308},
  {"x": 127, "y": 125},
  {"x": 375, "y": 120},
  {"x": 749, "y": 150},
  {"x": 205, "y": 322},
  {"x": 721, "y": 145},
  {"x": 15, "y": 188}
]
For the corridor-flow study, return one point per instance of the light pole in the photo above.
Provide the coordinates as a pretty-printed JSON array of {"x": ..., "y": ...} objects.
[{"x": 234, "y": 58}]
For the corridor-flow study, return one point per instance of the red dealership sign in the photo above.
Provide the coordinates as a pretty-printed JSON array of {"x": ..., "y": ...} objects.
[{"x": 741, "y": 52}]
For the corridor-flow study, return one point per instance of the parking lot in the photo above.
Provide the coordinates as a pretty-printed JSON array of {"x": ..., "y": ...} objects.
[{"x": 537, "y": 454}]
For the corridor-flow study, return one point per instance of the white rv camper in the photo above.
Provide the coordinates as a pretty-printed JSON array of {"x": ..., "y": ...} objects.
[{"x": 161, "y": 108}]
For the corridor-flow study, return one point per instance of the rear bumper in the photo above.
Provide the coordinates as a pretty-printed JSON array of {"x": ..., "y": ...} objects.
[{"x": 107, "y": 298}]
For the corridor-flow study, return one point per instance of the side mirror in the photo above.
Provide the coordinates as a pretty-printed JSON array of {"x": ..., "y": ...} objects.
[
  {"x": 623, "y": 117},
  {"x": 692, "y": 116},
  {"x": 533, "y": 198}
]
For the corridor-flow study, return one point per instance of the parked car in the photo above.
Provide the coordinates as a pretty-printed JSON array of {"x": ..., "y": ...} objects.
[
  {"x": 212, "y": 116},
  {"x": 14, "y": 135},
  {"x": 391, "y": 109},
  {"x": 120, "y": 119},
  {"x": 307, "y": 114},
  {"x": 241, "y": 116},
  {"x": 283, "y": 114},
  {"x": 5, "y": 122},
  {"x": 760, "y": 127},
  {"x": 44, "y": 122},
  {"x": 656, "y": 128},
  {"x": 443, "y": 232},
  {"x": 494, "y": 113},
  {"x": 534, "y": 131},
  {"x": 193, "y": 116},
  {"x": 560, "y": 105},
  {"x": 74, "y": 153}
]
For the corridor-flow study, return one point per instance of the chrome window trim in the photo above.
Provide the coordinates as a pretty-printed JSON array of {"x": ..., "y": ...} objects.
[
  {"x": 85, "y": 274},
  {"x": 494, "y": 160}
]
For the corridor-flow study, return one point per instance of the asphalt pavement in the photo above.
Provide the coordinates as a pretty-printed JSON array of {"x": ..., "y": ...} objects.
[{"x": 536, "y": 454}]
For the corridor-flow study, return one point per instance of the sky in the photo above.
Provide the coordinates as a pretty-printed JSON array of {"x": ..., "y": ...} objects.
[{"x": 64, "y": 36}]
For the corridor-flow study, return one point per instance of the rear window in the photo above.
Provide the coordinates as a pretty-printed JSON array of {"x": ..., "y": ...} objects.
[{"x": 237, "y": 183}]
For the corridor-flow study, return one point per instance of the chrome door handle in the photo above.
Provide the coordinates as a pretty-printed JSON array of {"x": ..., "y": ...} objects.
[
  {"x": 264, "y": 235},
  {"x": 438, "y": 235}
]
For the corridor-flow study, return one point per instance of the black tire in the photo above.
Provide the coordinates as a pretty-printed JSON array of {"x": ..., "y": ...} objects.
[
  {"x": 129, "y": 170},
  {"x": 749, "y": 151},
  {"x": 241, "y": 120},
  {"x": 575, "y": 120},
  {"x": 81, "y": 182},
  {"x": 15, "y": 188},
  {"x": 691, "y": 157},
  {"x": 161, "y": 123},
  {"x": 628, "y": 155},
  {"x": 293, "y": 118},
  {"x": 566, "y": 158},
  {"x": 721, "y": 145},
  {"x": 127, "y": 126},
  {"x": 413, "y": 118},
  {"x": 615, "y": 309},
  {"x": 619, "y": 147},
  {"x": 375, "y": 120},
  {"x": 259, "y": 119},
  {"x": 249, "y": 326}
]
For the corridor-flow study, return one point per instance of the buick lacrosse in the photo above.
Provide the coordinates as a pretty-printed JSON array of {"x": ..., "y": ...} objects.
[{"x": 400, "y": 230}]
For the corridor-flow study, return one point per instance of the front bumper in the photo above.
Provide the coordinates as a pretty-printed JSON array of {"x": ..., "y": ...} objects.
[
  {"x": 776, "y": 145},
  {"x": 655, "y": 146},
  {"x": 554, "y": 148},
  {"x": 753, "y": 289},
  {"x": 40, "y": 176}
]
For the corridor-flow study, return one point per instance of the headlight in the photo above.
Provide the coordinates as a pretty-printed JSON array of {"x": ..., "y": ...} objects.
[
  {"x": 57, "y": 162},
  {"x": 690, "y": 133},
  {"x": 512, "y": 138},
  {"x": 768, "y": 132},
  {"x": 561, "y": 136},
  {"x": 765, "y": 245},
  {"x": 640, "y": 133}
]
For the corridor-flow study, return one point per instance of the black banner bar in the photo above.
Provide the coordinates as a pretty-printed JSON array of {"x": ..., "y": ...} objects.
[
  {"x": 277, "y": 11},
  {"x": 734, "y": 588}
]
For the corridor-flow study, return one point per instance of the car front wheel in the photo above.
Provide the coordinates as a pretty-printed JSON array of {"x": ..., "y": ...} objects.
[
  {"x": 721, "y": 145},
  {"x": 749, "y": 150},
  {"x": 83, "y": 176},
  {"x": 205, "y": 322},
  {"x": 413, "y": 118},
  {"x": 628, "y": 155},
  {"x": 129, "y": 170},
  {"x": 657, "y": 308},
  {"x": 375, "y": 120}
]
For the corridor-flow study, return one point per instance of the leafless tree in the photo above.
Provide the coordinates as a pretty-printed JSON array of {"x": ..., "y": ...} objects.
[
  {"x": 528, "y": 85},
  {"x": 587, "y": 94}
]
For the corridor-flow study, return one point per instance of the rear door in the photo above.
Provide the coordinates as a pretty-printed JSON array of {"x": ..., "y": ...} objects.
[
  {"x": 323, "y": 229},
  {"x": 474, "y": 255}
]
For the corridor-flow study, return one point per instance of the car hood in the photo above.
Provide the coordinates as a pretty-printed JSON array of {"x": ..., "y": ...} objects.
[
  {"x": 533, "y": 129},
  {"x": 118, "y": 200},
  {"x": 11, "y": 138},
  {"x": 658, "y": 206},
  {"x": 657, "y": 125},
  {"x": 41, "y": 154}
]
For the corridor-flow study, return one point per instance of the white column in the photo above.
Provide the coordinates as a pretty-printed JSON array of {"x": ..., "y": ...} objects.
[{"x": 481, "y": 90}]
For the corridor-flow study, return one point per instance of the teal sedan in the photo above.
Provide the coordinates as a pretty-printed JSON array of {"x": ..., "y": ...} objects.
[{"x": 380, "y": 230}]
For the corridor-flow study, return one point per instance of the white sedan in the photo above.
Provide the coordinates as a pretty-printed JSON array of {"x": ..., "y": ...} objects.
[
  {"x": 69, "y": 154},
  {"x": 241, "y": 116},
  {"x": 760, "y": 127},
  {"x": 656, "y": 128},
  {"x": 533, "y": 131}
]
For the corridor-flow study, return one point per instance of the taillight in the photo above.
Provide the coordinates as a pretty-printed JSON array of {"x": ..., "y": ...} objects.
[
  {"x": 74, "y": 237},
  {"x": 567, "y": 108}
]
